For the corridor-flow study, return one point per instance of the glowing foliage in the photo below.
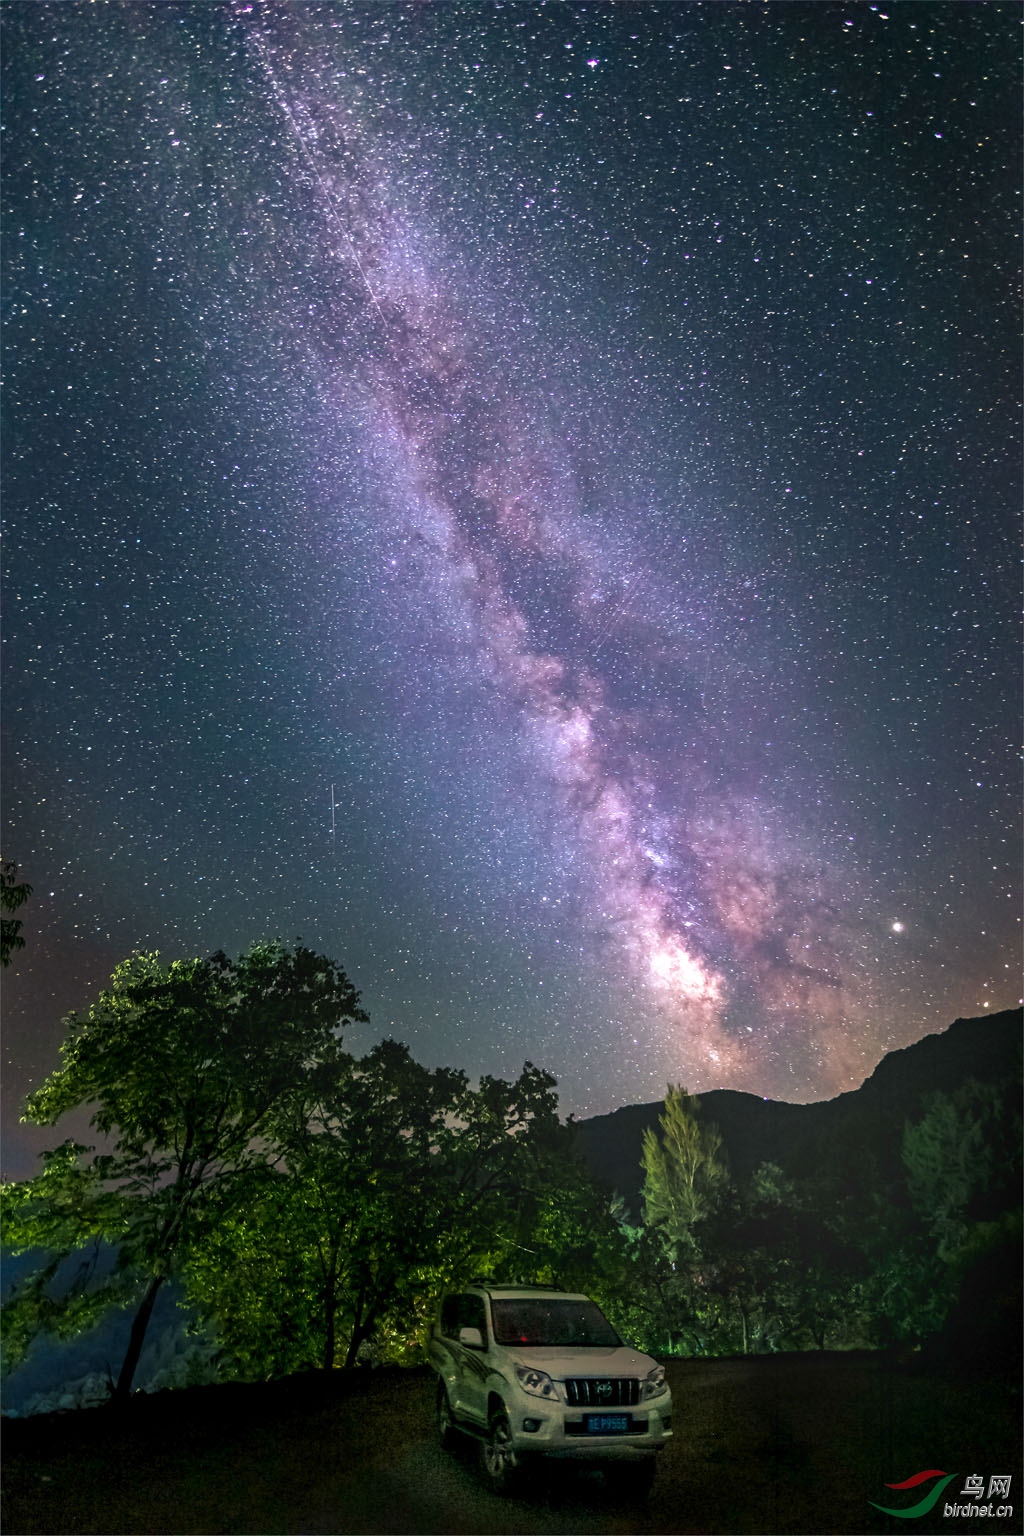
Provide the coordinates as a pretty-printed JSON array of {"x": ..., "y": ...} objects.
[{"x": 184, "y": 1068}]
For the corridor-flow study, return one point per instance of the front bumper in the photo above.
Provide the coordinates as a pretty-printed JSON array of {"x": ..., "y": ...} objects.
[{"x": 557, "y": 1430}]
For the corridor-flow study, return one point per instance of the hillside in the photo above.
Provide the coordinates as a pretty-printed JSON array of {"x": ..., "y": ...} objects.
[{"x": 860, "y": 1129}]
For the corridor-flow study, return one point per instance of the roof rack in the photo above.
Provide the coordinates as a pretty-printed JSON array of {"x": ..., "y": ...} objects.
[{"x": 511, "y": 1285}]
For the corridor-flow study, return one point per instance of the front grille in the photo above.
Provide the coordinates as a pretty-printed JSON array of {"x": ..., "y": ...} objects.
[{"x": 602, "y": 1391}]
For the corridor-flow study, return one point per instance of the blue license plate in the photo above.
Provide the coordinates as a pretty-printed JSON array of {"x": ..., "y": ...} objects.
[{"x": 608, "y": 1423}]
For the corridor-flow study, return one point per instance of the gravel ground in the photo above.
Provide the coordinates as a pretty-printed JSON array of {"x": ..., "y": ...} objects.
[{"x": 786, "y": 1444}]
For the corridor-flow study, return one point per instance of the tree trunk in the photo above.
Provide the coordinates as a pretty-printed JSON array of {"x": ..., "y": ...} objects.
[
  {"x": 363, "y": 1322},
  {"x": 363, "y": 1319},
  {"x": 359, "y": 1333},
  {"x": 330, "y": 1313},
  {"x": 136, "y": 1338}
]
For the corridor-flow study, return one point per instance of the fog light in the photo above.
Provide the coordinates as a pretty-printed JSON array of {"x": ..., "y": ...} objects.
[{"x": 531, "y": 1426}]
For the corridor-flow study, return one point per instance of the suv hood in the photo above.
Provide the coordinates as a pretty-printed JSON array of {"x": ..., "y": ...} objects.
[{"x": 618, "y": 1360}]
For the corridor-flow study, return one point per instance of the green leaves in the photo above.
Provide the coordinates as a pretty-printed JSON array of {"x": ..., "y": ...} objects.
[
  {"x": 685, "y": 1172},
  {"x": 61, "y": 1208},
  {"x": 64, "y": 1216},
  {"x": 308, "y": 1202},
  {"x": 13, "y": 894},
  {"x": 175, "y": 1058},
  {"x": 187, "y": 1069},
  {"x": 962, "y": 1161},
  {"x": 390, "y": 1181}
]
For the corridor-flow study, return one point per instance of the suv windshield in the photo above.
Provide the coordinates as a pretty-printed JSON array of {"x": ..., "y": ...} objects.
[{"x": 538, "y": 1321}]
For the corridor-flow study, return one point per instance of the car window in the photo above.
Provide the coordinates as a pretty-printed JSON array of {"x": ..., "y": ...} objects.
[
  {"x": 537, "y": 1321},
  {"x": 475, "y": 1314},
  {"x": 449, "y": 1312},
  {"x": 462, "y": 1310}
]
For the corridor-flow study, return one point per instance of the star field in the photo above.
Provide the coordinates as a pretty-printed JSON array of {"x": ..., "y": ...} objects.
[{"x": 580, "y": 442}]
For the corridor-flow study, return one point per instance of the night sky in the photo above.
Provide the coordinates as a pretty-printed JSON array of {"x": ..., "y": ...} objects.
[{"x": 580, "y": 439}]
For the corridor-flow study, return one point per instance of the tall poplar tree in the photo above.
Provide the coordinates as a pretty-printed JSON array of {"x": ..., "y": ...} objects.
[{"x": 685, "y": 1172}]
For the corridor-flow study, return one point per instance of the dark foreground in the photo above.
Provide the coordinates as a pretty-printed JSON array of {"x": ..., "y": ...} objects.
[{"x": 785, "y": 1444}]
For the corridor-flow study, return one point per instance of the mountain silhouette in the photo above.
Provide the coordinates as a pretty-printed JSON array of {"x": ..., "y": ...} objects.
[{"x": 857, "y": 1137}]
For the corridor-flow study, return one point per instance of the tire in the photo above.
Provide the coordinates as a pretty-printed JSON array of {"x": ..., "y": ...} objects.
[
  {"x": 447, "y": 1433},
  {"x": 500, "y": 1464},
  {"x": 631, "y": 1479}
]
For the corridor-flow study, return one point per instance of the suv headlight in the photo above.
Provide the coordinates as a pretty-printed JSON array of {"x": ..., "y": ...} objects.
[
  {"x": 539, "y": 1383},
  {"x": 655, "y": 1385}
]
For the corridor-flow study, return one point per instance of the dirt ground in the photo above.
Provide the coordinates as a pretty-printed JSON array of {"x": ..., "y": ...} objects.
[{"x": 786, "y": 1444}]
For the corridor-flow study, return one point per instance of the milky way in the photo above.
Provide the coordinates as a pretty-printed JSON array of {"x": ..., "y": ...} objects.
[
  {"x": 576, "y": 439},
  {"x": 676, "y": 870}
]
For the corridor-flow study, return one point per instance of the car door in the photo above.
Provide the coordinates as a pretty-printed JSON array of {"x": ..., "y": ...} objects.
[{"x": 468, "y": 1394}]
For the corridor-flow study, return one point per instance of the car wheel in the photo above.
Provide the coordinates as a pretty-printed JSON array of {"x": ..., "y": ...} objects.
[
  {"x": 446, "y": 1430},
  {"x": 498, "y": 1460},
  {"x": 632, "y": 1479}
]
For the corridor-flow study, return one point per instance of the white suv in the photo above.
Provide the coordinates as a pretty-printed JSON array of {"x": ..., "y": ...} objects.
[{"x": 532, "y": 1372}]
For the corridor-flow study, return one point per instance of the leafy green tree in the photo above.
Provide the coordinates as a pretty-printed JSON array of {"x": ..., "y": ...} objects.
[
  {"x": 390, "y": 1181},
  {"x": 566, "y": 1232},
  {"x": 962, "y": 1161},
  {"x": 63, "y": 1212},
  {"x": 250, "y": 1278},
  {"x": 13, "y": 894},
  {"x": 186, "y": 1069},
  {"x": 933, "y": 1232},
  {"x": 650, "y": 1300},
  {"x": 784, "y": 1277},
  {"x": 962, "y": 1168},
  {"x": 506, "y": 1178},
  {"x": 362, "y": 1157},
  {"x": 752, "y": 1267}
]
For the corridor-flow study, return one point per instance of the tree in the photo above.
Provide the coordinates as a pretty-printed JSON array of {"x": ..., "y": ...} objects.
[
  {"x": 495, "y": 1168},
  {"x": 777, "y": 1265},
  {"x": 392, "y": 1182},
  {"x": 186, "y": 1067},
  {"x": 61, "y": 1213},
  {"x": 566, "y": 1232},
  {"x": 13, "y": 894},
  {"x": 249, "y": 1276},
  {"x": 685, "y": 1180},
  {"x": 962, "y": 1161},
  {"x": 685, "y": 1173},
  {"x": 647, "y": 1298},
  {"x": 962, "y": 1167},
  {"x": 360, "y": 1153}
]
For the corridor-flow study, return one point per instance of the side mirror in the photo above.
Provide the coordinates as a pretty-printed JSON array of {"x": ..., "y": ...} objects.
[{"x": 472, "y": 1338}]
